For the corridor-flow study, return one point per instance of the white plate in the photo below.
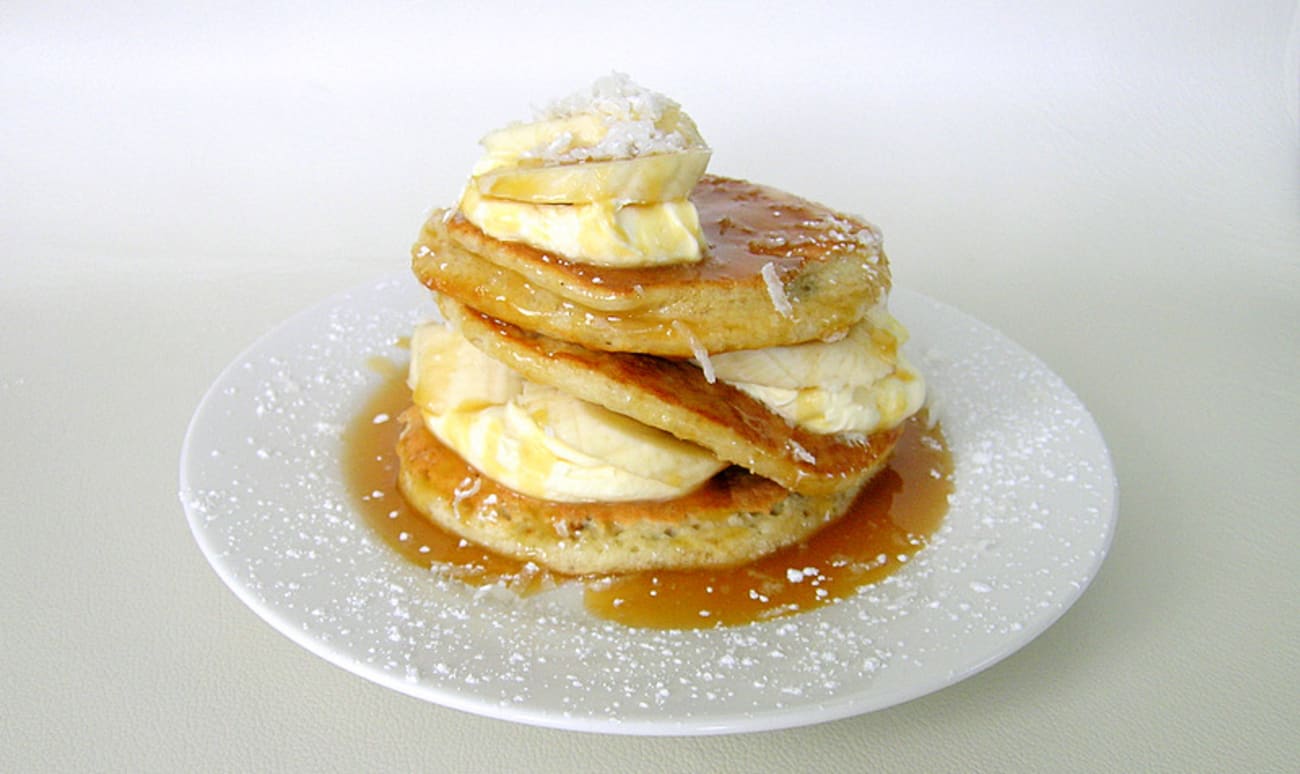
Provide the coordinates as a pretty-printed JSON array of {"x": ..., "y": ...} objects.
[{"x": 1031, "y": 518}]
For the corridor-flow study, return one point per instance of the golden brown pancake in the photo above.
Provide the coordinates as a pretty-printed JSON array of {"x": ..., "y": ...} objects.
[
  {"x": 734, "y": 518},
  {"x": 826, "y": 270},
  {"x": 675, "y": 396}
]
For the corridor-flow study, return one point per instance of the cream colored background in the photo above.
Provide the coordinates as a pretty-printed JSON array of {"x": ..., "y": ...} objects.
[{"x": 1113, "y": 184}]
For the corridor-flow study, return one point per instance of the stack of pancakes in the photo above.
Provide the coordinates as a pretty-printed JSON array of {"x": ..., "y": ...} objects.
[{"x": 777, "y": 270}]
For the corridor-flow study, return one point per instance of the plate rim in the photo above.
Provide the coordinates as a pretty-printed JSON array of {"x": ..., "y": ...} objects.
[{"x": 851, "y": 704}]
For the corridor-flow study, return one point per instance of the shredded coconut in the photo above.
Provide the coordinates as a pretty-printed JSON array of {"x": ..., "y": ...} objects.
[
  {"x": 801, "y": 453},
  {"x": 868, "y": 237},
  {"x": 697, "y": 349},
  {"x": 776, "y": 291},
  {"x": 614, "y": 95},
  {"x": 638, "y": 123}
]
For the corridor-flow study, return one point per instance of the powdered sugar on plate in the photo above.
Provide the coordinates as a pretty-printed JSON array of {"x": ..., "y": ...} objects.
[{"x": 1031, "y": 517}]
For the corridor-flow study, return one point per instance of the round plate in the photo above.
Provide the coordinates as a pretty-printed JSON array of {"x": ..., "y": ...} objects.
[{"x": 1031, "y": 517}]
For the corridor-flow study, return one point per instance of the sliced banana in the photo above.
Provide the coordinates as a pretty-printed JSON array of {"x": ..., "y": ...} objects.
[
  {"x": 531, "y": 139},
  {"x": 858, "y": 384},
  {"x": 640, "y": 180},
  {"x": 538, "y": 440},
  {"x": 602, "y": 177},
  {"x": 531, "y": 143},
  {"x": 606, "y": 132},
  {"x": 447, "y": 374},
  {"x": 867, "y": 353},
  {"x": 615, "y": 440}
]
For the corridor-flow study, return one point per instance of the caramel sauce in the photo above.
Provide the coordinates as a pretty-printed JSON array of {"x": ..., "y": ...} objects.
[
  {"x": 370, "y": 472},
  {"x": 745, "y": 226},
  {"x": 891, "y": 520}
]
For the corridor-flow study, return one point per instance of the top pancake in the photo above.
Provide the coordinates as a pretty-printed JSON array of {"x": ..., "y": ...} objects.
[{"x": 826, "y": 270}]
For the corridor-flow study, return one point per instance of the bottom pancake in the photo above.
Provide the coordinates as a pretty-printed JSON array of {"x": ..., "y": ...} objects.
[{"x": 734, "y": 518}]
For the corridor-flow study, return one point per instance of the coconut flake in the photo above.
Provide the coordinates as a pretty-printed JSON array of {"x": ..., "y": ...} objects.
[
  {"x": 697, "y": 349},
  {"x": 631, "y": 115},
  {"x": 800, "y": 453},
  {"x": 776, "y": 291}
]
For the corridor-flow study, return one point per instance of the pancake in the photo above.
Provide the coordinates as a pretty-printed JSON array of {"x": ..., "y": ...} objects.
[
  {"x": 734, "y": 518},
  {"x": 675, "y": 396},
  {"x": 778, "y": 270}
]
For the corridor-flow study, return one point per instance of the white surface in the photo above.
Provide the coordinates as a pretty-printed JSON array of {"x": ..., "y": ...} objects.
[
  {"x": 1032, "y": 515},
  {"x": 1113, "y": 185}
]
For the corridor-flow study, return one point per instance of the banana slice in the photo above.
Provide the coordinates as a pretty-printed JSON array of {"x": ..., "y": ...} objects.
[
  {"x": 538, "y": 440},
  {"x": 603, "y": 131},
  {"x": 531, "y": 143},
  {"x": 616, "y": 441},
  {"x": 525, "y": 139},
  {"x": 868, "y": 352},
  {"x": 858, "y": 384},
  {"x": 602, "y": 177},
  {"x": 448, "y": 375},
  {"x": 640, "y": 180}
]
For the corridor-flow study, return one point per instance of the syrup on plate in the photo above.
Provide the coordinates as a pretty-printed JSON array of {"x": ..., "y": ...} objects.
[{"x": 891, "y": 520}]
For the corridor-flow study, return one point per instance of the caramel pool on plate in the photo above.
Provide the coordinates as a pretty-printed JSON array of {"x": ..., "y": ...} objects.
[{"x": 890, "y": 521}]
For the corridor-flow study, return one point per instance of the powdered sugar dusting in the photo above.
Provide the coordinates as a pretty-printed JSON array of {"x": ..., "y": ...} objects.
[{"x": 1031, "y": 517}]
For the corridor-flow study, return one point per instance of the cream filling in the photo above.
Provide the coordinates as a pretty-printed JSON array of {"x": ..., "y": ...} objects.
[
  {"x": 598, "y": 233},
  {"x": 539, "y": 441}
]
